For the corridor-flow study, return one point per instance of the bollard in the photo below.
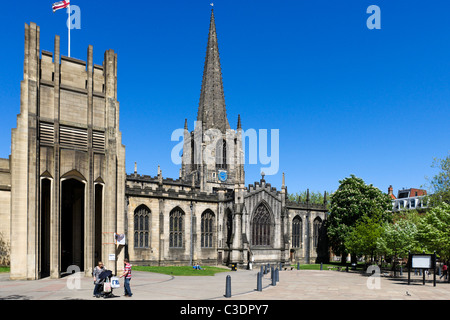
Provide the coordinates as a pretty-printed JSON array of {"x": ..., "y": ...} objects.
[
  {"x": 298, "y": 265},
  {"x": 274, "y": 280},
  {"x": 321, "y": 266},
  {"x": 259, "y": 282},
  {"x": 265, "y": 269},
  {"x": 228, "y": 287},
  {"x": 261, "y": 271},
  {"x": 277, "y": 275},
  {"x": 401, "y": 270}
]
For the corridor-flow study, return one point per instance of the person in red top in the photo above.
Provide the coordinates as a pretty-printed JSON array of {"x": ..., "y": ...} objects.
[
  {"x": 444, "y": 271},
  {"x": 127, "y": 275}
]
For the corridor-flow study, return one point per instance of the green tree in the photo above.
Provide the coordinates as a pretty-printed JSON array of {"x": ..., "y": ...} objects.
[
  {"x": 353, "y": 200},
  {"x": 362, "y": 239},
  {"x": 434, "y": 230},
  {"x": 314, "y": 197},
  {"x": 400, "y": 236},
  {"x": 440, "y": 183}
]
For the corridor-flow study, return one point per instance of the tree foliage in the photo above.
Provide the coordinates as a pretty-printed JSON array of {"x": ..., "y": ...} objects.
[
  {"x": 434, "y": 230},
  {"x": 352, "y": 205},
  {"x": 399, "y": 237},
  {"x": 440, "y": 183},
  {"x": 362, "y": 239},
  {"x": 314, "y": 197}
]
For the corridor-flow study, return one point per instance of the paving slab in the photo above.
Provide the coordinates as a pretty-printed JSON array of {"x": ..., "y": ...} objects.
[{"x": 292, "y": 285}]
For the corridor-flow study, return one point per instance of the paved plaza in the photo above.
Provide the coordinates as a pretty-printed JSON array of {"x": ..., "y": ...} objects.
[{"x": 292, "y": 285}]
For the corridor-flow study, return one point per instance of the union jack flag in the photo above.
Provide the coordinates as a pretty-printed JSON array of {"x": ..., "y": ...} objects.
[{"x": 60, "y": 5}]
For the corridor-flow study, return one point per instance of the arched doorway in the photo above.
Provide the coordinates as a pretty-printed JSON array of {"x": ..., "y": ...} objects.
[
  {"x": 44, "y": 230},
  {"x": 72, "y": 224},
  {"x": 98, "y": 222}
]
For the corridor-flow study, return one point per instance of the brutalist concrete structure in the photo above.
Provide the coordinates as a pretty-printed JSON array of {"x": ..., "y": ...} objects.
[{"x": 67, "y": 164}]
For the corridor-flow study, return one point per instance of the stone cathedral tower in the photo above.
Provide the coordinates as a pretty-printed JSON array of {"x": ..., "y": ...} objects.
[
  {"x": 212, "y": 153},
  {"x": 67, "y": 164}
]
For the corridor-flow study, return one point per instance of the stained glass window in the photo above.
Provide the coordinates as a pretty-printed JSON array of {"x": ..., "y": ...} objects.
[
  {"x": 176, "y": 228},
  {"x": 141, "y": 227},
  {"x": 297, "y": 232},
  {"x": 207, "y": 223},
  {"x": 261, "y": 227}
]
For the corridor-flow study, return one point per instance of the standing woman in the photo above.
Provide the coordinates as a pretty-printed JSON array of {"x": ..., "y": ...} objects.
[{"x": 97, "y": 285}]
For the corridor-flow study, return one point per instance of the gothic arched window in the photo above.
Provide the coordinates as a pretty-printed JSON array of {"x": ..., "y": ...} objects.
[
  {"x": 228, "y": 226},
  {"x": 207, "y": 225},
  {"x": 176, "y": 218},
  {"x": 261, "y": 227},
  {"x": 141, "y": 227},
  {"x": 221, "y": 154},
  {"x": 297, "y": 232},
  {"x": 316, "y": 231}
]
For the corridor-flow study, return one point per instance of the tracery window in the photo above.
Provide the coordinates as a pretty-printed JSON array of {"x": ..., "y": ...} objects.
[
  {"x": 228, "y": 227},
  {"x": 261, "y": 227},
  {"x": 316, "y": 231},
  {"x": 207, "y": 224},
  {"x": 141, "y": 227},
  {"x": 297, "y": 232},
  {"x": 176, "y": 218}
]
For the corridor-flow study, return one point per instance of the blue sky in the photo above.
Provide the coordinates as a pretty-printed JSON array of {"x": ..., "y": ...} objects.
[{"x": 346, "y": 99}]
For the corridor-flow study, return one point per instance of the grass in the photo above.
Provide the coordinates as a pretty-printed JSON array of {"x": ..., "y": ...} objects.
[
  {"x": 324, "y": 266},
  {"x": 182, "y": 270},
  {"x": 4, "y": 269}
]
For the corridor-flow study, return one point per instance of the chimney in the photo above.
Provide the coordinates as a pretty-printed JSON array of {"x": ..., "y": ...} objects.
[{"x": 390, "y": 191}]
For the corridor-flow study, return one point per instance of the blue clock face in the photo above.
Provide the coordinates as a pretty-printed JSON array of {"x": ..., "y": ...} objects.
[{"x": 222, "y": 176}]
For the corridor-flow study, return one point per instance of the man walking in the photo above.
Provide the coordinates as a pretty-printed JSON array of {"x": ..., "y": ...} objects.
[{"x": 127, "y": 275}]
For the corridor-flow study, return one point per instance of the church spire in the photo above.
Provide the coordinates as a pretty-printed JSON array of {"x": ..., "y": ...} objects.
[{"x": 212, "y": 109}]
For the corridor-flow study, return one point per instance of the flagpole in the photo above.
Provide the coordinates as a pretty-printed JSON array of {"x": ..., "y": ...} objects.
[{"x": 68, "y": 26}]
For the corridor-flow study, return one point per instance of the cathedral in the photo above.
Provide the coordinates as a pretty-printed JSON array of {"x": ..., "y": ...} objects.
[{"x": 68, "y": 198}]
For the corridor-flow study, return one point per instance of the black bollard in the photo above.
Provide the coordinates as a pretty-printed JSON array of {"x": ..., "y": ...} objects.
[
  {"x": 265, "y": 269},
  {"x": 261, "y": 271},
  {"x": 321, "y": 266},
  {"x": 274, "y": 280},
  {"x": 228, "y": 287},
  {"x": 259, "y": 282},
  {"x": 298, "y": 265},
  {"x": 277, "y": 275}
]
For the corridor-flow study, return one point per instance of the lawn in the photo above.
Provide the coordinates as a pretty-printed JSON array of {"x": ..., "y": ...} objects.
[
  {"x": 182, "y": 270},
  {"x": 4, "y": 269}
]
